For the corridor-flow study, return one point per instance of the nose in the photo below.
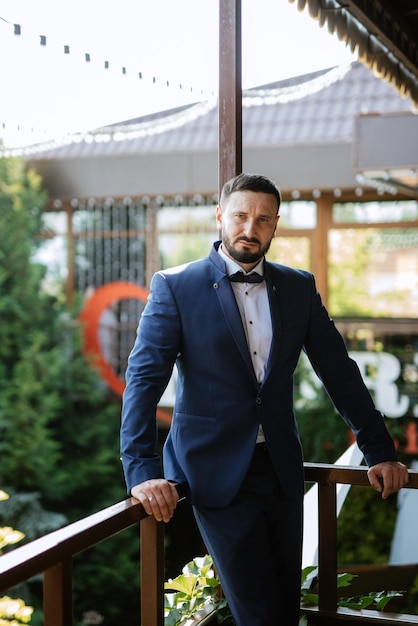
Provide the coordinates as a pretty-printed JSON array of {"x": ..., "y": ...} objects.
[{"x": 249, "y": 227}]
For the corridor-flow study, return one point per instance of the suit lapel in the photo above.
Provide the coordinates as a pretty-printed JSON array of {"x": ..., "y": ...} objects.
[
  {"x": 273, "y": 285},
  {"x": 229, "y": 306},
  {"x": 233, "y": 317}
]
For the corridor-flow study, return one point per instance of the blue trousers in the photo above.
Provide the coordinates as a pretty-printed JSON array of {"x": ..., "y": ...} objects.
[{"x": 255, "y": 543}]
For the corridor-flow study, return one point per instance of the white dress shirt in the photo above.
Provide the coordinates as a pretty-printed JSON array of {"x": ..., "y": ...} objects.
[{"x": 253, "y": 304}]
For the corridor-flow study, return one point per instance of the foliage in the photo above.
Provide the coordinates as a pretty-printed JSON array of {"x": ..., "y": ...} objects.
[
  {"x": 349, "y": 258},
  {"x": 8, "y": 536},
  {"x": 324, "y": 434},
  {"x": 25, "y": 511},
  {"x": 359, "y": 541},
  {"x": 12, "y": 611},
  {"x": 26, "y": 335},
  {"x": 198, "y": 587},
  {"x": 377, "y": 600},
  {"x": 59, "y": 426}
]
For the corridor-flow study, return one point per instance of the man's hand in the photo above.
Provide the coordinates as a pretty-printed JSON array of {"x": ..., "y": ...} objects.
[
  {"x": 158, "y": 497},
  {"x": 388, "y": 477}
]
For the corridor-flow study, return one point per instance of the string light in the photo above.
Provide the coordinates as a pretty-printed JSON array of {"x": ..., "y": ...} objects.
[
  {"x": 257, "y": 97},
  {"x": 87, "y": 55},
  {"x": 262, "y": 97}
]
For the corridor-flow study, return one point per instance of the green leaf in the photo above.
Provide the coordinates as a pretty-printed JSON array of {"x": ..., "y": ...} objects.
[
  {"x": 173, "y": 618},
  {"x": 383, "y": 597},
  {"x": 310, "y": 598},
  {"x": 306, "y": 571},
  {"x": 184, "y": 583},
  {"x": 344, "y": 580},
  {"x": 357, "y": 602}
]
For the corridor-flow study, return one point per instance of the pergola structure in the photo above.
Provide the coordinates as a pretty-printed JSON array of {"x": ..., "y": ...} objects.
[
  {"x": 384, "y": 33},
  {"x": 330, "y": 164}
]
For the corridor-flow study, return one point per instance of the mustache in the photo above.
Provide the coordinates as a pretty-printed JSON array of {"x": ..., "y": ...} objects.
[{"x": 247, "y": 239}]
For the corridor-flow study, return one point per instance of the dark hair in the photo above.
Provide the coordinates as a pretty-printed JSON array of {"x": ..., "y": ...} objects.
[{"x": 250, "y": 182}]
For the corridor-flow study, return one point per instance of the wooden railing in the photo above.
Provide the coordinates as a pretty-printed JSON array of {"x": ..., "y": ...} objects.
[
  {"x": 52, "y": 555},
  {"x": 327, "y": 613}
]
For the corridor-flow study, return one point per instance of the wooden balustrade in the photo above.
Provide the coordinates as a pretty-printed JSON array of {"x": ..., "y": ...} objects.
[
  {"x": 327, "y": 613},
  {"x": 52, "y": 555}
]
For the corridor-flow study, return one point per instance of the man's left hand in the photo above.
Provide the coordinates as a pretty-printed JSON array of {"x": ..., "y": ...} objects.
[{"x": 388, "y": 477}]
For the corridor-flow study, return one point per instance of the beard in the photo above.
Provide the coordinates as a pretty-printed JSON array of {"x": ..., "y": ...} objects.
[{"x": 244, "y": 256}]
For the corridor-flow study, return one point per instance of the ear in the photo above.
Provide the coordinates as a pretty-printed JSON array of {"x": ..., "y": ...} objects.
[
  {"x": 275, "y": 227},
  {"x": 218, "y": 214}
]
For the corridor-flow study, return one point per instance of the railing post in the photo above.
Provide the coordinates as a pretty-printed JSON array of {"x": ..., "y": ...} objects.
[
  {"x": 58, "y": 594},
  {"x": 327, "y": 550},
  {"x": 152, "y": 572}
]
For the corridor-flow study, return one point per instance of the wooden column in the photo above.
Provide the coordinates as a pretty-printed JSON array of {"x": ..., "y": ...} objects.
[
  {"x": 319, "y": 245},
  {"x": 152, "y": 257},
  {"x": 70, "y": 281},
  {"x": 230, "y": 91},
  {"x": 57, "y": 596},
  {"x": 152, "y": 572},
  {"x": 327, "y": 550}
]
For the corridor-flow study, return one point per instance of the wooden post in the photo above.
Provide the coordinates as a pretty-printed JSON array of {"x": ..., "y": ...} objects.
[
  {"x": 152, "y": 572},
  {"x": 230, "y": 91},
  {"x": 327, "y": 552},
  {"x": 70, "y": 281},
  {"x": 319, "y": 245},
  {"x": 58, "y": 594}
]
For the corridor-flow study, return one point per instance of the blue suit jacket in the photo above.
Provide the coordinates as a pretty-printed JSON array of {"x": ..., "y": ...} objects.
[{"x": 192, "y": 318}]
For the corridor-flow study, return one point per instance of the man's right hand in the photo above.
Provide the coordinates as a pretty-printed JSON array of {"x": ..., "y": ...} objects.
[{"x": 158, "y": 496}]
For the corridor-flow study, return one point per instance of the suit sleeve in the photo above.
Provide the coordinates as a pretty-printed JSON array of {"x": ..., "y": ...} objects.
[
  {"x": 341, "y": 377},
  {"x": 149, "y": 369}
]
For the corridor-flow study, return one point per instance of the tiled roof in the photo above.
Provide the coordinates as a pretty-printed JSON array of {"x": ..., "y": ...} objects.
[{"x": 316, "y": 108}]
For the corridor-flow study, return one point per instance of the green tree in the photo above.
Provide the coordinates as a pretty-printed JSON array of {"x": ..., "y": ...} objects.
[
  {"x": 348, "y": 264},
  {"x": 11, "y": 608},
  {"x": 59, "y": 426}
]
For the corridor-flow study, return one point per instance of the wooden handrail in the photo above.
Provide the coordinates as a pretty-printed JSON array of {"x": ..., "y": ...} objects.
[
  {"x": 52, "y": 555},
  {"x": 327, "y": 477}
]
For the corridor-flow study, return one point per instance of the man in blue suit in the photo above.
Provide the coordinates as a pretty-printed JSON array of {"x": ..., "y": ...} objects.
[{"x": 235, "y": 325}]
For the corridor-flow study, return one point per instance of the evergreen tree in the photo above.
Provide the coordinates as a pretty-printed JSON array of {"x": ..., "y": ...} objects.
[{"x": 59, "y": 427}]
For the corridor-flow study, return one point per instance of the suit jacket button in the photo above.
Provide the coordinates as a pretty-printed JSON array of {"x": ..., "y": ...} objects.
[{"x": 258, "y": 400}]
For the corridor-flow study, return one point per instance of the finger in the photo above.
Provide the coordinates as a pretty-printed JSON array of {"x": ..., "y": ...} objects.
[
  {"x": 162, "y": 509},
  {"x": 146, "y": 501},
  {"x": 388, "y": 487},
  {"x": 393, "y": 481},
  {"x": 375, "y": 480}
]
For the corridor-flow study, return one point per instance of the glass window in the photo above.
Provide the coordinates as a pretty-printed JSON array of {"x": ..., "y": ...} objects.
[
  {"x": 292, "y": 251},
  {"x": 298, "y": 214},
  {"x": 375, "y": 212},
  {"x": 373, "y": 272},
  {"x": 186, "y": 233}
]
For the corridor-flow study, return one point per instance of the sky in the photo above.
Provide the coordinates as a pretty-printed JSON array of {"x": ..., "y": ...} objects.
[{"x": 160, "y": 54}]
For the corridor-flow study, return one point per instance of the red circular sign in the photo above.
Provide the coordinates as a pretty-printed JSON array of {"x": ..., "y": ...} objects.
[{"x": 102, "y": 298}]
